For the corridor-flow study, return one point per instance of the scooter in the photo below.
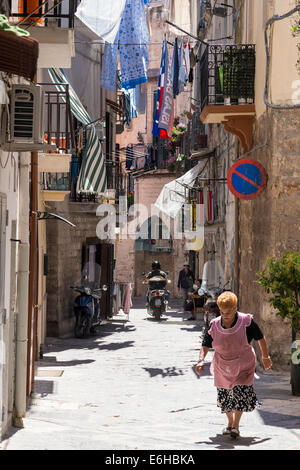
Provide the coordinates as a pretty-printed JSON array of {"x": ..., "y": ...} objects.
[
  {"x": 157, "y": 302},
  {"x": 87, "y": 310},
  {"x": 211, "y": 309}
]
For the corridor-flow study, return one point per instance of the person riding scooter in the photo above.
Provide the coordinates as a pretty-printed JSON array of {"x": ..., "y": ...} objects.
[{"x": 156, "y": 271}]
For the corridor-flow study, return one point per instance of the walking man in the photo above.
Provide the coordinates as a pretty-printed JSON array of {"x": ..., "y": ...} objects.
[{"x": 185, "y": 282}]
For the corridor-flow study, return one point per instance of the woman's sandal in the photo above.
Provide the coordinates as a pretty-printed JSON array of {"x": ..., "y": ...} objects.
[
  {"x": 226, "y": 431},
  {"x": 234, "y": 433}
]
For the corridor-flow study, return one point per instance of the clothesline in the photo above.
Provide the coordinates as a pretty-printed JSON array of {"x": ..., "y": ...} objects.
[{"x": 131, "y": 43}]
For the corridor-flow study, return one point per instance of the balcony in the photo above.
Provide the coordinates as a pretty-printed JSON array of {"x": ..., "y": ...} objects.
[
  {"x": 55, "y": 165},
  {"x": 227, "y": 74},
  {"x": 51, "y": 23}
]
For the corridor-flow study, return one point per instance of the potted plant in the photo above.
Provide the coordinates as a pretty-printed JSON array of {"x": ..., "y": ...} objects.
[
  {"x": 237, "y": 74},
  {"x": 281, "y": 279}
]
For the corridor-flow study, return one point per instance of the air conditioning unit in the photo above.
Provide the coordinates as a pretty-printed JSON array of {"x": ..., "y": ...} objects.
[{"x": 22, "y": 127}]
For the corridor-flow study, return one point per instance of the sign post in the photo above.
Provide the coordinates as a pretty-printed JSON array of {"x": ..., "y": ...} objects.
[{"x": 246, "y": 178}]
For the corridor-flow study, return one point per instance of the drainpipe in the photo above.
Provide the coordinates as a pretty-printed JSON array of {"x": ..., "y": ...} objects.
[
  {"x": 236, "y": 246},
  {"x": 22, "y": 295},
  {"x": 236, "y": 236},
  {"x": 21, "y": 336},
  {"x": 33, "y": 259}
]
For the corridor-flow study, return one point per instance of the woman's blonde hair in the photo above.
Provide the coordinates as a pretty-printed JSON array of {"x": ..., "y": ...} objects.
[{"x": 227, "y": 300}]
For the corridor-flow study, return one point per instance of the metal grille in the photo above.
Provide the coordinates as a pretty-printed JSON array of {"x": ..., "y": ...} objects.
[
  {"x": 23, "y": 114},
  {"x": 62, "y": 13},
  {"x": 227, "y": 74}
]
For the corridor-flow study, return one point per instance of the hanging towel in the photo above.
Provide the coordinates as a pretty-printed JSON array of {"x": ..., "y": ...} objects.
[
  {"x": 187, "y": 50},
  {"x": 109, "y": 65},
  {"x": 167, "y": 99},
  {"x": 129, "y": 157},
  {"x": 182, "y": 77},
  {"x": 102, "y": 17},
  {"x": 160, "y": 91},
  {"x": 175, "y": 69},
  {"x": 127, "y": 303},
  {"x": 134, "y": 40}
]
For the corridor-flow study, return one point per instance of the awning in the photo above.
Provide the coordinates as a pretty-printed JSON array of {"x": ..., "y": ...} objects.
[
  {"x": 18, "y": 55},
  {"x": 92, "y": 176},
  {"x": 172, "y": 195}
]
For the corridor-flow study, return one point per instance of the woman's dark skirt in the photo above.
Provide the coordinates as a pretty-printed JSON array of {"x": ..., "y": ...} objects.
[{"x": 238, "y": 398}]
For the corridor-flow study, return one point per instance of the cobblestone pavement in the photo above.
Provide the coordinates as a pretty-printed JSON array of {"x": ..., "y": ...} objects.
[{"x": 133, "y": 387}]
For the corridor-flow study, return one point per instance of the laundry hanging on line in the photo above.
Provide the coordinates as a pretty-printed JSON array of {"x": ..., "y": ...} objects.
[
  {"x": 174, "y": 74},
  {"x": 132, "y": 39},
  {"x": 102, "y": 17}
]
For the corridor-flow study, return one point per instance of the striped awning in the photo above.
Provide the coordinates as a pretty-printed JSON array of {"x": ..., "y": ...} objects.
[{"x": 92, "y": 176}]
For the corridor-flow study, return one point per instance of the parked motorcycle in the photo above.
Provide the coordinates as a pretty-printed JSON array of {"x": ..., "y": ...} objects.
[
  {"x": 212, "y": 286},
  {"x": 87, "y": 303},
  {"x": 157, "y": 301}
]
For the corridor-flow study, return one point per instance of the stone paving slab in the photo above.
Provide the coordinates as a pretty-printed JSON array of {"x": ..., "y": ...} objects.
[{"x": 132, "y": 387}]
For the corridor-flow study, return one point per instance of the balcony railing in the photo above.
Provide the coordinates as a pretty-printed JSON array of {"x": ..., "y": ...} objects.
[
  {"x": 227, "y": 75},
  {"x": 51, "y": 13},
  {"x": 59, "y": 130},
  {"x": 56, "y": 181}
]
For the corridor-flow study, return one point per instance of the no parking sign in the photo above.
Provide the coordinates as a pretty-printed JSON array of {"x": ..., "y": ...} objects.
[{"x": 246, "y": 179}]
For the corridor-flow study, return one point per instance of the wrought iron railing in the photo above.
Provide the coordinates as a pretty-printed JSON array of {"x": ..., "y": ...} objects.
[
  {"x": 56, "y": 181},
  {"x": 59, "y": 130},
  {"x": 53, "y": 12},
  {"x": 227, "y": 74}
]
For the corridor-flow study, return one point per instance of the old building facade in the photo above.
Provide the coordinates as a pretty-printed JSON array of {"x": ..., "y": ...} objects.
[{"x": 266, "y": 225}]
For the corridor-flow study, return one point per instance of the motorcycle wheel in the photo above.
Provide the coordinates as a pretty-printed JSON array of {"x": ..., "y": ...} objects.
[
  {"x": 82, "y": 326},
  {"x": 157, "y": 314}
]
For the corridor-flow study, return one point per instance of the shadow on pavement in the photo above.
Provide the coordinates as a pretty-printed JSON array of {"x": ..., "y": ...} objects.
[
  {"x": 52, "y": 362},
  {"x": 116, "y": 346},
  {"x": 163, "y": 319},
  {"x": 205, "y": 373},
  {"x": 280, "y": 420},
  {"x": 226, "y": 442},
  {"x": 43, "y": 387},
  {"x": 194, "y": 327},
  {"x": 167, "y": 372}
]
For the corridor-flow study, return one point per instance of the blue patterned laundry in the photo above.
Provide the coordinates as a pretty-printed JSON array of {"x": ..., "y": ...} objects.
[
  {"x": 109, "y": 65},
  {"x": 134, "y": 40}
]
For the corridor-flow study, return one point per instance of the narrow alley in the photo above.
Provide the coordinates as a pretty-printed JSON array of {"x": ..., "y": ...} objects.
[{"x": 132, "y": 387}]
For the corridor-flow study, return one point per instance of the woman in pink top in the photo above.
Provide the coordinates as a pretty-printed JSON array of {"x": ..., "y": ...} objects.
[{"x": 234, "y": 360}]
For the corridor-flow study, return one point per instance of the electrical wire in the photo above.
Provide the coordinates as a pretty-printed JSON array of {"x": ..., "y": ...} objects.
[
  {"x": 8, "y": 156},
  {"x": 269, "y": 23}
]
